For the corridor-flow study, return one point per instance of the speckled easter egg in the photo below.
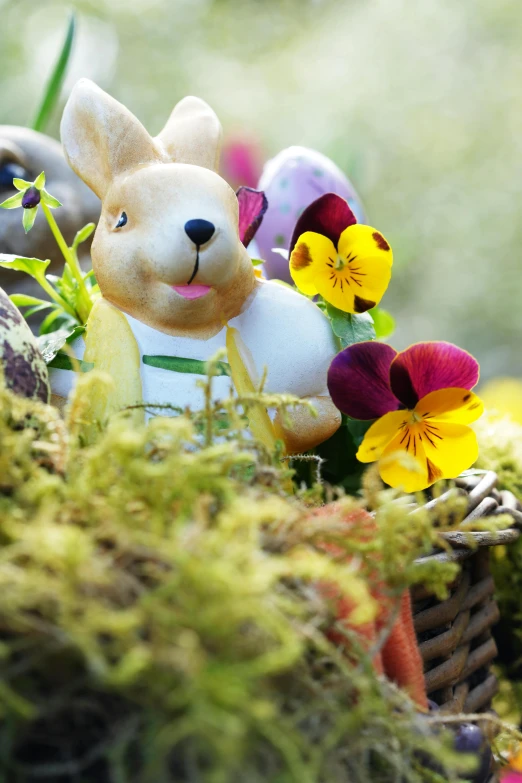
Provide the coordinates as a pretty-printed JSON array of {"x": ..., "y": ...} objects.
[
  {"x": 291, "y": 181},
  {"x": 22, "y": 365}
]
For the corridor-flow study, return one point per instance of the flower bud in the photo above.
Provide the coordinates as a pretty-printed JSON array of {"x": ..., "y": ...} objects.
[{"x": 31, "y": 198}]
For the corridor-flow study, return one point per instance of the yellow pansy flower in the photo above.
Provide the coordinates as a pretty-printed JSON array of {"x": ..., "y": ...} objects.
[
  {"x": 348, "y": 264},
  {"x": 422, "y": 404}
]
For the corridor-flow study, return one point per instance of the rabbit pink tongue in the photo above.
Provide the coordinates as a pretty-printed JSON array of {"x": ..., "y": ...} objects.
[{"x": 191, "y": 291}]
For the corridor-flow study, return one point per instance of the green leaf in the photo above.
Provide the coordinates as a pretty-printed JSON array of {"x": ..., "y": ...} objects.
[
  {"x": 76, "y": 332},
  {"x": 59, "y": 320},
  {"x": 63, "y": 286},
  {"x": 180, "y": 364},
  {"x": 34, "y": 304},
  {"x": 357, "y": 429},
  {"x": 83, "y": 234},
  {"x": 383, "y": 322},
  {"x": 39, "y": 182},
  {"x": 257, "y": 261},
  {"x": 37, "y": 309},
  {"x": 23, "y": 300},
  {"x": 54, "y": 85},
  {"x": 29, "y": 218},
  {"x": 64, "y": 362},
  {"x": 21, "y": 184},
  {"x": 341, "y": 466},
  {"x": 50, "y": 344},
  {"x": 350, "y": 328},
  {"x": 13, "y": 202},
  {"x": 31, "y": 266},
  {"x": 51, "y": 201}
]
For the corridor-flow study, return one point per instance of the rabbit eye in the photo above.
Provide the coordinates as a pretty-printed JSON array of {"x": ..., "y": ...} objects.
[{"x": 122, "y": 221}]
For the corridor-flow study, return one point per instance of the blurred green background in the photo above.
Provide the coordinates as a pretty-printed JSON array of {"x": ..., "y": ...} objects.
[{"x": 420, "y": 103}]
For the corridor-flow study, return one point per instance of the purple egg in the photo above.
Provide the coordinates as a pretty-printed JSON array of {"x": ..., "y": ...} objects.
[
  {"x": 291, "y": 181},
  {"x": 470, "y": 739}
]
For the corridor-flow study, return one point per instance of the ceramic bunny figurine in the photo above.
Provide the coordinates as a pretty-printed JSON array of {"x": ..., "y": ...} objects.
[{"x": 175, "y": 278}]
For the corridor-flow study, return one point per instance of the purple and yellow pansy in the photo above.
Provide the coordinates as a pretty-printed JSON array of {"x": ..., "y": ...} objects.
[
  {"x": 422, "y": 402},
  {"x": 348, "y": 264}
]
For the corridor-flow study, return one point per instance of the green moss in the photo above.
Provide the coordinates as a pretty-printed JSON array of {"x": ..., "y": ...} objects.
[
  {"x": 161, "y": 618},
  {"x": 500, "y": 443}
]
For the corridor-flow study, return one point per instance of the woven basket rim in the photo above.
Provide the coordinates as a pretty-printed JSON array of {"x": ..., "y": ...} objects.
[{"x": 477, "y": 487}]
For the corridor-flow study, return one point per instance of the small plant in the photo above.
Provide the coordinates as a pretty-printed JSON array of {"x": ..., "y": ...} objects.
[{"x": 72, "y": 294}]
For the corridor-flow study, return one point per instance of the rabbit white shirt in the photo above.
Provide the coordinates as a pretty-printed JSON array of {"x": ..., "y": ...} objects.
[{"x": 280, "y": 329}]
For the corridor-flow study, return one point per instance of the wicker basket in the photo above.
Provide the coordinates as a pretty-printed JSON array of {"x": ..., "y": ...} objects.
[{"x": 455, "y": 635}]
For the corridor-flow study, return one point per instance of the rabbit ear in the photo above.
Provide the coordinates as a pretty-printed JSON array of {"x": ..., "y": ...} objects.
[
  {"x": 101, "y": 138},
  {"x": 193, "y": 134},
  {"x": 252, "y": 206}
]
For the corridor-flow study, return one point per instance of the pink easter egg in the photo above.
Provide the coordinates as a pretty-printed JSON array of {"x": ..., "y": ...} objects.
[
  {"x": 241, "y": 161},
  {"x": 291, "y": 181}
]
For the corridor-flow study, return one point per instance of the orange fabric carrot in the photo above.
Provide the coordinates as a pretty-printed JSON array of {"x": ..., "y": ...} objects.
[{"x": 399, "y": 659}]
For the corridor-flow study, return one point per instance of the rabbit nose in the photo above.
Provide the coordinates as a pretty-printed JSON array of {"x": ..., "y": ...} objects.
[{"x": 199, "y": 231}]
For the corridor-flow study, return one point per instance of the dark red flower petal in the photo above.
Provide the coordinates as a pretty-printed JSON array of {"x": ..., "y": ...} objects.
[
  {"x": 328, "y": 215},
  {"x": 426, "y": 367},
  {"x": 358, "y": 380},
  {"x": 252, "y": 206}
]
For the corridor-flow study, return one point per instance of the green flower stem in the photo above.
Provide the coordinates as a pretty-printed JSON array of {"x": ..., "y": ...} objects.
[
  {"x": 56, "y": 296},
  {"x": 62, "y": 244},
  {"x": 85, "y": 302}
]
